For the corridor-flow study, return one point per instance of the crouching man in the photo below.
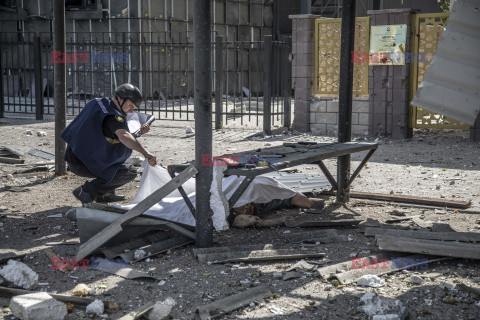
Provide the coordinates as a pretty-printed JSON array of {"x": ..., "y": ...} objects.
[{"x": 99, "y": 143}]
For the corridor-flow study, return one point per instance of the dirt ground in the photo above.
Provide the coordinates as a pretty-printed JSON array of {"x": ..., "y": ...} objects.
[{"x": 432, "y": 164}]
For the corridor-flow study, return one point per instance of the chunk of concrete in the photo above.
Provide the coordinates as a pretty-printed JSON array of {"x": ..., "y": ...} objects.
[
  {"x": 162, "y": 309},
  {"x": 376, "y": 306},
  {"x": 20, "y": 275},
  {"x": 96, "y": 307},
  {"x": 415, "y": 279},
  {"x": 370, "y": 280},
  {"x": 37, "y": 306}
]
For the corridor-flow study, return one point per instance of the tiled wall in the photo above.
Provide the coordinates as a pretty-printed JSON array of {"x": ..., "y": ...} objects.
[{"x": 324, "y": 116}]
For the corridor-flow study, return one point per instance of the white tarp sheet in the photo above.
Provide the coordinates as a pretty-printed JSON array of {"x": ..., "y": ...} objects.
[{"x": 174, "y": 208}]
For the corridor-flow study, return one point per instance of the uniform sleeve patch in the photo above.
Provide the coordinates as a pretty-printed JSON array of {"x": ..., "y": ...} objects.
[{"x": 119, "y": 118}]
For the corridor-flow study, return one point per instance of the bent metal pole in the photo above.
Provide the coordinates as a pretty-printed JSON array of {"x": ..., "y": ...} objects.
[
  {"x": 345, "y": 96},
  {"x": 203, "y": 121}
]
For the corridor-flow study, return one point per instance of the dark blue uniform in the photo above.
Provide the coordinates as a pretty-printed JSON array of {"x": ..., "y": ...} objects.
[{"x": 94, "y": 151}]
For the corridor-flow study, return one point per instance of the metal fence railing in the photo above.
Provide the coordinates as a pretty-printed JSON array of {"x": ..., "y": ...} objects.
[{"x": 161, "y": 64}]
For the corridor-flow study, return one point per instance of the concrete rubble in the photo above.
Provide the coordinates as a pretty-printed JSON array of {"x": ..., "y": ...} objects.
[
  {"x": 139, "y": 254},
  {"x": 415, "y": 279},
  {"x": 37, "y": 306},
  {"x": 370, "y": 280},
  {"x": 20, "y": 275},
  {"x": 162, "y": 309},
  {"x": 96, "y": 307},
  {"x": 375, "y": 306},
  {"x": 81, "y": 289}
]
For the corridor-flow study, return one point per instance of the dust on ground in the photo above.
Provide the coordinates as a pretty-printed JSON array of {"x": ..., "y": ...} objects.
[{"x": 436, "y": 164}]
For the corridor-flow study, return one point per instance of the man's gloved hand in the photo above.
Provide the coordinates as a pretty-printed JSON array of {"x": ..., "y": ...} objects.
[{"x": 144, "y": 128}]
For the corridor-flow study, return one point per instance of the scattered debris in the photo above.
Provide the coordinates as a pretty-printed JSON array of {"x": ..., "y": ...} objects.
[
  {"x": 81, "y": 289},
  {"x": 320, "y": 236},
  {"x": 237, "y": 254},
  {"x": 41, "y": 154},
  {"x": 292, "y": 275},
  {"x": 162, "y": 309},
  {"x": 189, "y": 130},
  {"x": 233, "y": 302},
  {"x": 4, "y": 257},
  {"x": 407, "y": 199},
  {"x": 10, "y": 155},
  {"x": 140, "y": 312},
  {"x": 322, "y": 223},
  {"x": 19, "y": 274},
  {"x": 96, "y": 307},
  {"x": 376, "y": 305},
  {"x": 41, "y": 134},
  {"x": 463, "y": 287},
  {"x": 445, "y": 236},
  {"x": 139, "y": 254},
  {"x": 51, "y": 255},
  {"x": 301, "y": 266},
  {"x": 370, "y": 280},
  {"x": 431, "y": 247},
  {"x": 393, "y": 220},
  {"x": 37, "y": 306},
  {"x": 121, "y": 270}
]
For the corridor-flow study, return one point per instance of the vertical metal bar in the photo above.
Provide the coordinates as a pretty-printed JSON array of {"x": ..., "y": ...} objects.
[
  {"x": 124, "y": 41},
  {"x": 267, "y": 84},
  {"x": 345, "y": 97},
  {"x": 287, "y": 114},
  {"x": 203, "y": 121},
  {"x": 305, "y": 6},
  {"x": 59, "y": 85},
  {"x": 218, "y": 81},
  {"x": 2, "y": 104},
  {"x": 37, "y": 54}
]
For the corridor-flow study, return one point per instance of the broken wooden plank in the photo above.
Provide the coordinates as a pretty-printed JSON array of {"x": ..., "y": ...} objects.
[
  {"x": 10, "y": 152},
  {"x": 4, "y": 257},
  {"x": 445, "y": 236},
  {"x": 383, "y": 263},
  {"x": 140, "y": 312},
  {"x": 431, "y": 247},
  {"x": 233, "y": 302},
  {"x": 51, "y": 255},
  {"x": 387, "y": 267},
  {"x": 322, "y": 223},
  {"x": 251, "y": 247},
  {"x": 406, "y": 199},
  {"x": 393, "y": 220},
  {"x": 11, "y": 160},
  {"x": 256, "y": 255},
  {"x": 10, "y": 292},
  {"x": 321, "y": 236},
  {"x": 41, "y": 154},
  {"x": 117, "y": 226}
]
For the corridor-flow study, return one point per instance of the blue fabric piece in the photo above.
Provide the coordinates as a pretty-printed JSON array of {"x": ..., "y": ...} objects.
[{"x": 85, "y": 136}]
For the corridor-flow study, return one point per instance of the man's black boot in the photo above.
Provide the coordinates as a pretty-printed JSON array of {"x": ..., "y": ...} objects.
[
  {"x": 110, "y": 197},
  {"x": 82, "y": 195}
]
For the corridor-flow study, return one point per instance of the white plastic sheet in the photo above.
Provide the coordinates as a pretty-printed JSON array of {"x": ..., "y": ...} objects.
[{"x": 174, "y": 208}]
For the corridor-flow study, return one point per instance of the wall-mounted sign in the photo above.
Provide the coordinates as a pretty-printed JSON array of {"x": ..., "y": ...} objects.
[{"x": 387, "y": 44}]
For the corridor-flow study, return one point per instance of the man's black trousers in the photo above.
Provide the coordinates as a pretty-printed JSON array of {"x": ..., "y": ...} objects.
[{"x": 98, "y": 187}]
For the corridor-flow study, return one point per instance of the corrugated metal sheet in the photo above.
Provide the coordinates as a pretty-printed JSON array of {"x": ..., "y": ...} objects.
[
  {"x": 301, "y": 182},
  {"x": 451, "y": 86}
]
